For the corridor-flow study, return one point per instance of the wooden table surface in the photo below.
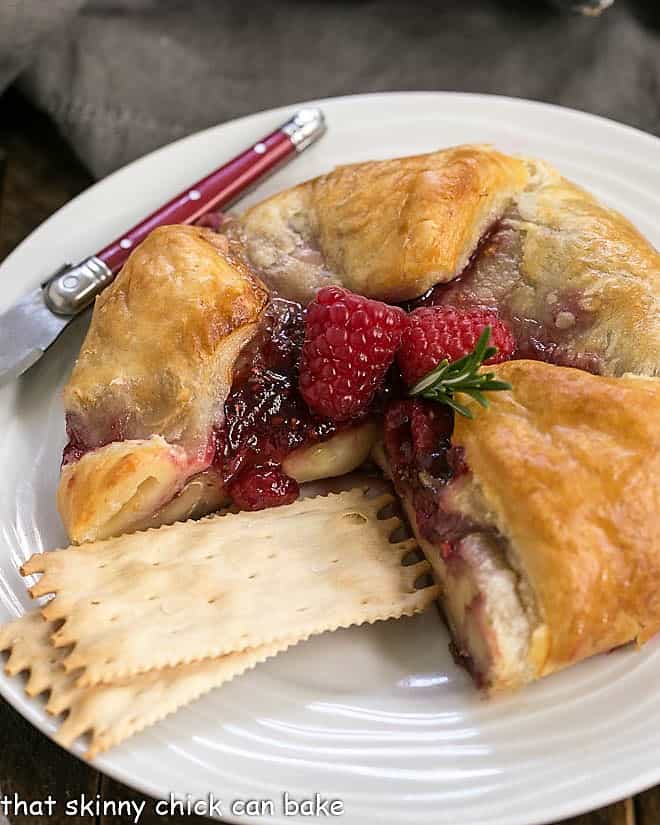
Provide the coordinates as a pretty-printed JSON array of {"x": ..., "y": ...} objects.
[{"x": 41, "y": 174}]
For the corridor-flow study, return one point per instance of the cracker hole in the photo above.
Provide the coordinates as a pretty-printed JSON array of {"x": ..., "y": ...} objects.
[
  {"x": 252, "y": 576},
  {"x": 114, "y": 618},
  {"x": 212, "y": 601},
  {"x": 301, "y": 609},
  {"x": 210, "y": 556},
  {"x": 425, "y": 580},
  {"x": 152, "y": 598},
  {"x": 388, "y": 510},
  {"x": 400, "y": 534},
  {"x": 109, "y": 661},
  {"x": 272, "y": 555},
  {"x": 355, "y": 518},
  {"x": 334, "y": 561},
  {"x": 364, "y": 601},
  {"x": 412, "y": 557},
  {"x": 155, "y": 564},
  {"x": 102, "y": 565},
  {"x": 95, "y": 604}
]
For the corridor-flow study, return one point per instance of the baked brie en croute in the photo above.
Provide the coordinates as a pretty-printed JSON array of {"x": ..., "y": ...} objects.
[
  {"x": 185, "y": 395},
  {"x": 540, "y": 517}
]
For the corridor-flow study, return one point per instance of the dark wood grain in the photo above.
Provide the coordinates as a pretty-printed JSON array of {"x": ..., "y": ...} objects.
[
  {"x": 41, "y": 175},
  {"x": 621, "y": 813},
  {"x": 32, "y": 767},
  {"x": 647, "y": 807}
]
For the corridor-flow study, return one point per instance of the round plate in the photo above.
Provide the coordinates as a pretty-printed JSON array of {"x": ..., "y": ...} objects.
[{"x": 378, "y": 717}]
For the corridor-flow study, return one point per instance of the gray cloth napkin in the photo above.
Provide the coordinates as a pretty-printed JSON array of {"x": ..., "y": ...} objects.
[{"x": 121, "y": 77}]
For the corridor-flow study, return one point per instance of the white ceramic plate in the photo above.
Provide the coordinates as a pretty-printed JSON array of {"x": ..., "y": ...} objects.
[{"x": 378, "y": 717}]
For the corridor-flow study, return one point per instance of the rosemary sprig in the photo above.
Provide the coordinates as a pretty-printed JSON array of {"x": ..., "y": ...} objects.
[{"x": 462, "y": 376}]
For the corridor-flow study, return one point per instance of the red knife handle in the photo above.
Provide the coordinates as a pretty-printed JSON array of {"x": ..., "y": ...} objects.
[
  {"x": 214, "y": 191},
  {"x": 72, "y": 288}
]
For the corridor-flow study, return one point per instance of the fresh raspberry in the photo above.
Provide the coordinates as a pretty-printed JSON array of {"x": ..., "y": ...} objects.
[
  {"x": 350, "y": 342},
  {"x": 436, "y": 333},
  {"x": 260, "y": 487}
]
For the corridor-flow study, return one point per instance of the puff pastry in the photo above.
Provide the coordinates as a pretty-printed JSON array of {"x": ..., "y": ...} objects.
[
  {"x": 541, "y": 519},
  {"x": 149, "y": 386},
  {"x": 578, "y": 283}
]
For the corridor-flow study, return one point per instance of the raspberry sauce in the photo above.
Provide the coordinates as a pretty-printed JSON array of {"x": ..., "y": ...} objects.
[
  {"x": 76, "y": 446},
  {"x": 82, "y": 440},
  {"x": 423, "y": 462},
  {"x": 265, "y": 415}
]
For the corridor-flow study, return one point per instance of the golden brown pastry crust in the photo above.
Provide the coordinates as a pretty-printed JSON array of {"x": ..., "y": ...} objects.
[
  {"x": 565, "y": 468},
  {"x": 151, "y": 379},
  {"x": 158, "y": 359},
  {"x": 587, "y": 275},
  {"x": 570, "y": 272},
  {"x": 111, "y": 489},
  {"x": 568, "y": 465},
  {"x": 164, "y": 337},
  {"x": 391, "y": 229}
]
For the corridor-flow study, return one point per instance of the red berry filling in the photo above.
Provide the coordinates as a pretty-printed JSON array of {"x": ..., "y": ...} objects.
[
  {"x": 76, "y": 446},
  {"x": 259, "y": 487},
  {"x": 422, "y": 462},
  {"x": 345, "y": 345},
  {"x": 265, "y": 415}
]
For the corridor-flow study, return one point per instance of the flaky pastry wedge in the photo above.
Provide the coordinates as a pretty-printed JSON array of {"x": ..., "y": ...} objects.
[{"x": 540, "y": 517}]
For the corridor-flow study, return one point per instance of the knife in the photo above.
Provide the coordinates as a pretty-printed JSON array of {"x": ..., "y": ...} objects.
[{"x": 32, "y": 324}]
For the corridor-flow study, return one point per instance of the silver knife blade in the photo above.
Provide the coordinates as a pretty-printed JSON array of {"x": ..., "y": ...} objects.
[{"x": 26, "y": 332}]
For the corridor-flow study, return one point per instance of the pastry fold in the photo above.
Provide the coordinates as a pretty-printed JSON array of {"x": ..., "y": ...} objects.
[
  {"x": 159, "y": 353},
  {"x": 387, "y": 229}
]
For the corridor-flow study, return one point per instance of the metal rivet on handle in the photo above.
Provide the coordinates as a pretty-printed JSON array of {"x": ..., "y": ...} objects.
[
  {"x": 194, "y": 194},
  {"x": 126, "y": 243},
  {"x": 260, "y": 148}
]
